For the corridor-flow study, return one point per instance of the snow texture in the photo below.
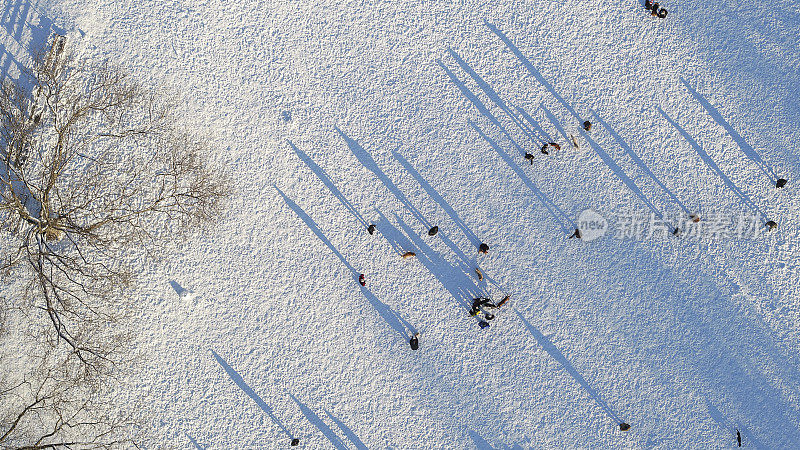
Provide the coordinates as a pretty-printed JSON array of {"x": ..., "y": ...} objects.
[{"x": 333, "y": 115}]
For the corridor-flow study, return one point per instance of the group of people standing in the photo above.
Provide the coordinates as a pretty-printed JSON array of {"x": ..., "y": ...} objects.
[
  {"x": 654, "y": 9},
  {"x": 479, "y": 305}
]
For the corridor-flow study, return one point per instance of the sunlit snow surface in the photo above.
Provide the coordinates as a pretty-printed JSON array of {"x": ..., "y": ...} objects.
[{"x": 331, "y": 116}]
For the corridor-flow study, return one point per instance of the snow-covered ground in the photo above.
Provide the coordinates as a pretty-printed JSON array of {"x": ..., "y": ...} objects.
[{"x": 398, "y": 115}]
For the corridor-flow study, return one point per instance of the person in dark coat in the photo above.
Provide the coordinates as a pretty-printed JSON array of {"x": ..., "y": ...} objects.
[
  {"x": 771, "y": 225},
  {"x": 544, "y": 149},
  {"x": 483, "y": 249},
  {"x": 295, "y": 442},
  {"x": 478, "y": 304},
  {"x": 371, "y": 229},
  {"x": 738, "y": 438},
  {"x": 588, "y": 125},
  {"x": 654, "y": 10},
  {"x": 781, "y": 183},
  {"x": 648, "y": 5},
  {"x": 414, "y": 341},
  {"x": 624, "y": 426},
  {"x": 432, "y": 232},
  {"x": 575, "y": 234},
  {"x": 361, "y": 280},
  {"x": 529, "y": 157}
]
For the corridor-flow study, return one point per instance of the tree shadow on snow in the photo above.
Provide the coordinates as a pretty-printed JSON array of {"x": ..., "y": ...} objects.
[{"x": 28, "y": 30}]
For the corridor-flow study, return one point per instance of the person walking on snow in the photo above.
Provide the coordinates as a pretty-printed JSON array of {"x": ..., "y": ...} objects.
[
  {"x": 483, "y": 249},
  {"x": 414, "y": 341},
  {"x": 529, "y": 157},
  {"x": 588, "y": 125},
  {"x": 575, "y": 234}
]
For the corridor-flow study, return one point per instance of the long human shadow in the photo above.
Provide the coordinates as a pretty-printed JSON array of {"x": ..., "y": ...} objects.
[
  {"x": 494, "y": 96},
  {"x": 460, "y": 286},
  {"x": 543, "y": 135},
  {"x": 556, "y": 354},
  {"x": 326, "y": 180},
  {"x": 536, "y": 74},
  {"x": 467, "y": 264},
  {"x": 713, "y": 166},
  {"x": 609, "y": 161},
  {"x": 746, "y": 148},
  {"x": 315, "y": 228},
  {"x": 400, "y": 245},
  {"x": 437, "y": 198},
  {"x": 627, "y": 148},
  {"x": 348, "y": 433},
  {"x": 480, "y": 106},
  {"x": 595, "y": 146},
  {"x": 366, "y": 159},
  {"x": 315, "y": 420},
  {"x": 234, "y": 375},
  {"x": 556, "y": 123},
  {"x": 390, "y": 316},
  {"x": 479, "y": 441},
  {"x": 730, "y": 428},
  {"x": 560, "y": 217},
  {"x": 194, "y": 442}
]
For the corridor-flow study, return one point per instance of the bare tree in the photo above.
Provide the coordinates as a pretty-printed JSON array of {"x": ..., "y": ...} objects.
[{"x": 92, "y": 170}]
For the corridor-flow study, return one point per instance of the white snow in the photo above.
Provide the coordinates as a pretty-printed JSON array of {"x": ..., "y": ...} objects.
[{"x": 270, "y": 335}]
